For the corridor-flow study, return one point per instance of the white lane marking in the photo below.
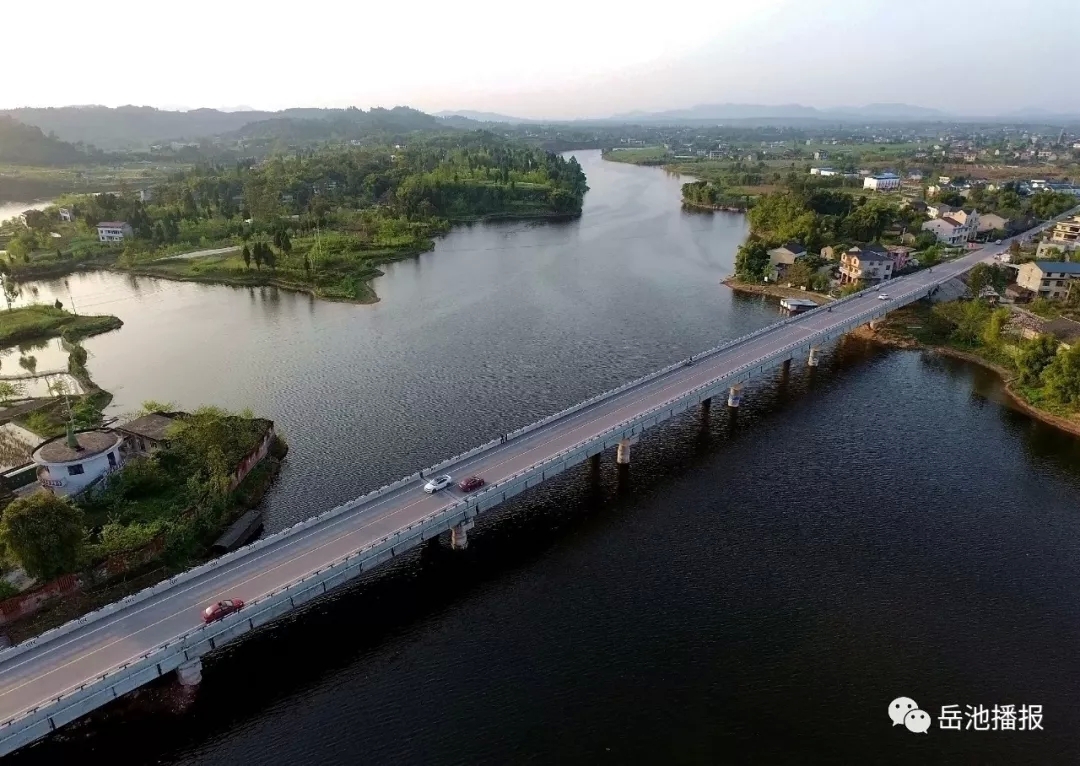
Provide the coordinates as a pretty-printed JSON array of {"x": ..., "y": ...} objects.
[{"x": 721, "y": 359}]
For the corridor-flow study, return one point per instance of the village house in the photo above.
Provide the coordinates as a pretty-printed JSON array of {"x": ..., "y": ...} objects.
[
  {"x": 1048, "y": 279},
  {"x": 869, "y": 263},
  {"x": 939, "y": 209},
  {"x": 992, "y": 222},
  {"x": 882, "y": 182},
  {"x": 67, "y": 215},
  {"x": 949, "y": 231},
  {"x": 780, "y": 258},
  {"x": 1066, "y": 231},
  {"x": 147, "y": 433},
  {"x": 68, "y": 465},
  {"x": 113, "y": 231},
  {"x": 901, "y": 255}
]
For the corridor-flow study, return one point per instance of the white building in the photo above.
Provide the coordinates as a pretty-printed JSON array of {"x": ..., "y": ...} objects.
[
  {"x": 949, "y": 231},
  {"x": 67, "y": 214},
  {"x": 824, "y": 172},
  {"x": 113, "y": 231},
  {"x": 882, "y": 182},
  {"x": 67, "y": 465}
]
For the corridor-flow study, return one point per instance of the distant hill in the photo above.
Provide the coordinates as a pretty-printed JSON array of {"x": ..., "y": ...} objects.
[
  {"x": 136, "y": 127},
  {"x": 785, "y": 112},
  {"x": 337, "y": 124},
  {"x": 27, "y": 145},
  {"x": 469, "y": 114}
]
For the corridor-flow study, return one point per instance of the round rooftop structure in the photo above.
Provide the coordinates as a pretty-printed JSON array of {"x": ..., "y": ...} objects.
[{"x": 91, "y": 443}]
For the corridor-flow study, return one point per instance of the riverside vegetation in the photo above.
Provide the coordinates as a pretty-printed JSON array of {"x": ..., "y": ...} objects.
[
  {"x": 175, "y": 501},
  {"x": 319, "y": 220}
]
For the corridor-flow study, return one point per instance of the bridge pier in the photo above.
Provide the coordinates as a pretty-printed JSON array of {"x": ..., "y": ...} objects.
[
  {"x": 734, "y": 397},
  {"x": 786, "y": 367},
  {"x": 594, "y": 462},
  {"x": 623, "y": 455},
  {"x": 459, "y": 535},
  {"x": 190, "y": 673},
  {"x": 812, "y": 360},
  {"x": 706, "y": 406}
]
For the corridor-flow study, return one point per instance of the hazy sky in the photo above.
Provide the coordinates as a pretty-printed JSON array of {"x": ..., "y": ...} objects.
[{"x": 556, "y": 58}]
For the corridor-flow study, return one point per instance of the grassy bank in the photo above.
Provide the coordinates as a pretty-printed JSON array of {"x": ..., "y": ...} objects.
[
  {"x": 34, "y": 323},
  {"x": 775, "y": 291},
  {"x": 1041, "y": 378}
]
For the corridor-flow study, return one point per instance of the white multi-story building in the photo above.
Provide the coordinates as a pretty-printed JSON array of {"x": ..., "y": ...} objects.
[
  {"x": 949, "y": 231},
  {"x": 113, "y": 231},
  {"x": 882, "y": 182}
]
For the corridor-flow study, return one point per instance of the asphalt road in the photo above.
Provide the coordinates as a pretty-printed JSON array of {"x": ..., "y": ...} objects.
[{"x": 59, "y": 665}]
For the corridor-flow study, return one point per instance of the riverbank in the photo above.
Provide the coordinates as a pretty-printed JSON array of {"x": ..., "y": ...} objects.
[
  {"x": 774, "y": 291},
  {"x": 28, "y": 324},
  {"x": 887, "y": 335}
]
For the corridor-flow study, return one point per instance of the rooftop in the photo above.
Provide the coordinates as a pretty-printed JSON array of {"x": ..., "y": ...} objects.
[
  {"x": 1066, "y": 267},
  {"x": 91, "y": 443},
  {"x": 112, "y": 224},
  {"x": 152, "y": 426}
]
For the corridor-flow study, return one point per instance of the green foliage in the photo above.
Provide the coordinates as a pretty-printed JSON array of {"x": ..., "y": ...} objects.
[
  {"x": 752, "y": 260},
  {"x": 987, "y": 275},
  {"x": 1034, "y": 357},
  {"x": 40, "y": 322},
  {"x": 992, "y": 334},
  {"x": 1061, "y": 377},
  {"x": 44, "y": 533},
  {"x": 10, "y": 390},
  {"x": 783, "y": 216},
  {"x": 799, "y": 273},
  {"x": 22, "y": 144},
  {"x": 852, "y": 287}
]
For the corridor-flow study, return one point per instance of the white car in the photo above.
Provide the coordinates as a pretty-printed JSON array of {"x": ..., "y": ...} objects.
[
  {"x": 439, "y": 482},
  {"x": 883, "y": 296},
  {"x": 997, "y": 241}
]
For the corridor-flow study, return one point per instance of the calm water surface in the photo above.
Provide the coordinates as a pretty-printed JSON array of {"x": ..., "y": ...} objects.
[{"x": 754, "y": 589}]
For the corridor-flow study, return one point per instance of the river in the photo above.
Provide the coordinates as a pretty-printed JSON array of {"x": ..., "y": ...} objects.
[
  {"x": 12, "y": 209},
  {"x": 755, "y": 588}
]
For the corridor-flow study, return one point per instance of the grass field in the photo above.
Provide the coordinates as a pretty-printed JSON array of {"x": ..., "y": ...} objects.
[{"x": 41, "y": 322}]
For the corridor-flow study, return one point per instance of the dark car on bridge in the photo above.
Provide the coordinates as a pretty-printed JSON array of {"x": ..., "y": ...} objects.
[
  {"x": 222, "y": 609},
  {"x": 470, "y": 484}
]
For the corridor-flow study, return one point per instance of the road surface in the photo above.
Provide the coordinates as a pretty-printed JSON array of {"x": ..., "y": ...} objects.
[{"x": 45, "y": 671}]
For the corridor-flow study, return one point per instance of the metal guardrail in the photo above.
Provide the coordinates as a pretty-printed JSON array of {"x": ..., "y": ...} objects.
[
  {"x": 407, "y": 533},
  {"x": 440, "y": 518}
]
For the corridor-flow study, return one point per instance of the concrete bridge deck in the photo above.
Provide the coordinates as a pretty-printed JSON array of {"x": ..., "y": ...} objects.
[{"x": 61, "y": 675}]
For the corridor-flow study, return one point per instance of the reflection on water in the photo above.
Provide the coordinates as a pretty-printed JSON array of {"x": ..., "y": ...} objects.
[{"x": 754, "y": 589}]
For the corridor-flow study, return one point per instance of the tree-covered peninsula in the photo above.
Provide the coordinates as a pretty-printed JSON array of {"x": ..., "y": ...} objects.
[{"x": 320, "y": 221}]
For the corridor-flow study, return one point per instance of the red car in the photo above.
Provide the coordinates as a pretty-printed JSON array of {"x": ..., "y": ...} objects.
[
  {"x": 222, "y": 609},
  {"x": 470, "y": 484}
]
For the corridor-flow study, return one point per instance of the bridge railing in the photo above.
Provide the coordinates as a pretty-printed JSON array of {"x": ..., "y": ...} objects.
[
  {"x": 198, "y": 571},
  {"x": 388, "y": 542}
]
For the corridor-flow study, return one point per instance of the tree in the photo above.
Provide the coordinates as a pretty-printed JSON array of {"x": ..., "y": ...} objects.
[
  {"x": 257, "y": 255},
  {"x": 1062, "y": 376},
  {"x": 246, "y": 255},
  {"x": 9, "y": 391},
  {"x": 1034, "y": 357},
  {"x": 999, "y": 318},
  {"x": 984, "y": 275},
  {"x": 799, "y": 273},
  {"x": 11, "y": 290},
  {"x": 58, "y": 305},
  {"x": 268, "y": 257},
  {"x": 44, "y": 533},
  {"x": 752, "y": 260}
]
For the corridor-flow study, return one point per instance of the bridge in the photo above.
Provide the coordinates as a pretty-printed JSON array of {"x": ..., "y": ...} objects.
[{"x": 63, "y": 674}]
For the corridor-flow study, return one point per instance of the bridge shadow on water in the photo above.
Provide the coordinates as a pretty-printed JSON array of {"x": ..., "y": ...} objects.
[{"x": 338, "y": 635}]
